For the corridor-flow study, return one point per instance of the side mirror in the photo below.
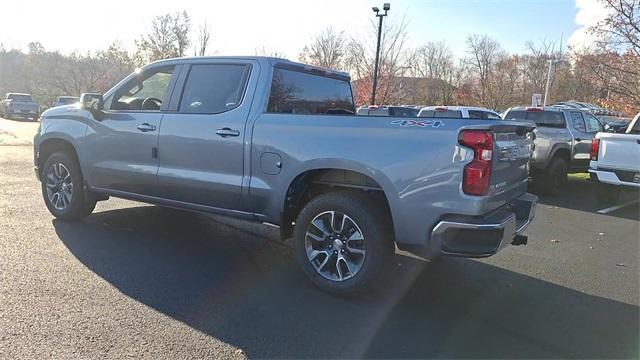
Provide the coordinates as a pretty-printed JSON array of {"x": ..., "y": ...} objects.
[{"x": 94, "y": 103}]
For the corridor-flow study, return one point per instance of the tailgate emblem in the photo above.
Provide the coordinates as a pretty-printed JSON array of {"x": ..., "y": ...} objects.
[{"x": 511, "y": 153}]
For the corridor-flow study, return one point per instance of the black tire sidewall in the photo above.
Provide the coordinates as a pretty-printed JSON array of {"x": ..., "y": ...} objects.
[
  {"x": 557, "y": 169},
  {"x": 375, "y": 230},
  {"x": 79, "y": 207}
]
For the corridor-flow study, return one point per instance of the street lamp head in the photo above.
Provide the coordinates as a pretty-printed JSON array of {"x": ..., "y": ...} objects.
[
  {"x": 386, "y": 7},
  {"x": 375, "y": 9}
]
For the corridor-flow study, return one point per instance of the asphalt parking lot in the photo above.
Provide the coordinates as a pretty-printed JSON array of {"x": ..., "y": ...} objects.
[{"x": 134, "y": 280}]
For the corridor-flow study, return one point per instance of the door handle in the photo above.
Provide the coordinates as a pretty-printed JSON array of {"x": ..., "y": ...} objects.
[
  {"x": 224, "y": 132},
  {"x": 146, "y": 127},
  {"x": 578, "y": 139}
]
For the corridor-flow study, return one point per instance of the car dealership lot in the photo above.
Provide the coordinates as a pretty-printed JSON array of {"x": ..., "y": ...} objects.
[{"x": 144, "y": 281}]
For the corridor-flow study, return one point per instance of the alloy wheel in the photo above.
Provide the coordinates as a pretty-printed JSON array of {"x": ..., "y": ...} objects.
[
  {"x": 59, "y": 186},
  {"x": 335, "y": 246}
]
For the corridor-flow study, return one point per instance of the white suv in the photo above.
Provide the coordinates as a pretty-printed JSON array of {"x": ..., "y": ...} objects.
[{"x": 462, "y": 112}]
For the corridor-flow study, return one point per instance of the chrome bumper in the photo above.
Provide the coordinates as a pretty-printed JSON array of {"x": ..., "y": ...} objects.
[{"x": 486, "y": 235}]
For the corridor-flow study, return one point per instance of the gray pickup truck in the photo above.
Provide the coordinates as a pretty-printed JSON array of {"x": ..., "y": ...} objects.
[
  {"x": 563, "y": 139},
  {"x": 19, "y": 105},
  {"x": 277, "y": 142}
]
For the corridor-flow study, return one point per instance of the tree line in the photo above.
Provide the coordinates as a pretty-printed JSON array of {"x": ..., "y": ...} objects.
[{"x": 607, "y": 73}]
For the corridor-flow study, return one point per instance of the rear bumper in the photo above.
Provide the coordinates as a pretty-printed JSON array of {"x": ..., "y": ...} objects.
[
  {"x": 486, "y": 235},
  {"x": 615, "y": 177}
]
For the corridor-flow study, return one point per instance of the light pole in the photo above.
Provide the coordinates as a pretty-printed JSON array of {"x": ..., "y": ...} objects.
[
  {"x": 552, "y": 62},
  {"x": 386, "y": 7}
]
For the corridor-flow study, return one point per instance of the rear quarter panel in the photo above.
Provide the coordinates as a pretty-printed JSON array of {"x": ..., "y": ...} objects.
[{"x": 418, "y": 167}]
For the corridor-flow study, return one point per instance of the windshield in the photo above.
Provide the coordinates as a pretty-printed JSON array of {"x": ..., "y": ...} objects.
[
  {"x": 541, "y": 118},
  {"x": 67, "y": 101},
  {"x": 19, "y": 97}
]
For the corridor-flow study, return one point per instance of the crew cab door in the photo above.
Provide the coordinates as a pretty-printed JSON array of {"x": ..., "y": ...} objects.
[
  {"x": 122, "y": 145},
  {"x": 201, "y": 144},
  {"x": 584, "y": 129}
]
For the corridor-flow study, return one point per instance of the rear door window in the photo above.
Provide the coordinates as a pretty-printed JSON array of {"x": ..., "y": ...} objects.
[
  {"x": 592, "y": 124},
  {"x": 577, "y": 121},
  {"x": 214, "y": 88},
  {"x": 297, "y": 92}
]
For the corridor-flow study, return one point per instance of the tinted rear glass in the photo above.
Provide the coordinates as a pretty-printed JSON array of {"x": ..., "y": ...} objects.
[
  {"x": 403, "y": 112},
  {"x": 19, "y": 97},
  {"x": 541, "y": 118},
  {"x": 479, "y": 114},
  {"x": 67, "y": 101},
  {"x": 456, "y": 114},
  {"x": 294, "y": 92}
]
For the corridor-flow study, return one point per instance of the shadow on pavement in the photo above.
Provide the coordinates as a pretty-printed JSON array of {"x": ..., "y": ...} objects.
[
  {"x": 248, "y": 292},
  {"x": 580, "y": 194}
]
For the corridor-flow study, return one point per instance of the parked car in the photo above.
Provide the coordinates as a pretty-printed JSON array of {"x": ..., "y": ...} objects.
[
  {"x": 615, "y": 161},
  {"x": 66, "y": 100},
  {"x": 562, "y": 142},
  {"x": 262, "y": 139},
  {"x": 20, "y": 106},
  {"x": 614, "y": 123},
  {"x": 460, "y": 112},
  {"x": 388, "y": 110}
]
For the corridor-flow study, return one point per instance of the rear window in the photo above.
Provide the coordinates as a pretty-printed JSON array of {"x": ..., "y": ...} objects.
[
  {"x": 295, "y": 92},
  {"x": 479, "y": 114},
  {"x": 19, "y": 97},
  {"x": 403, "y": 112},
  {"x": 456, "y": 114},
  {"x": 541, "y": 118}
]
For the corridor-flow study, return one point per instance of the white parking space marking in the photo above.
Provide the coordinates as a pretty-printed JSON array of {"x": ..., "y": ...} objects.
[{"x": 617, "y": 207}]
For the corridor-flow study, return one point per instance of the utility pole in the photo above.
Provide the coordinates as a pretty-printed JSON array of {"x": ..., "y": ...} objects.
[
  {"x": 552, "y": 62},
  {"x": 386, "y": 7}
]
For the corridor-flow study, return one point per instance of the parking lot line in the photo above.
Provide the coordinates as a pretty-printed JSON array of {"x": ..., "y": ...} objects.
[{"x": 617, "y": 207}]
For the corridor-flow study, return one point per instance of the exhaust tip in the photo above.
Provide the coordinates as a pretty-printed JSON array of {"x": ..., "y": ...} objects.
[{"x": 520, "y": 240}]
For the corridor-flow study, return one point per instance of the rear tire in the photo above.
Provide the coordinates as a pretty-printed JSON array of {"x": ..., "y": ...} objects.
[
  {"x": 343, "y": 262},
  {"x": 63, "y": 188},
  {"x": 554, "y": 177}
]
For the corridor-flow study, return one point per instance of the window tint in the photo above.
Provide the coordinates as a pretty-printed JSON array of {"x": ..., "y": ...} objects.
[
  {"x": 456, "y": 114},
  {"x": 145, "y": 92},
  {"x": 20, "y": 97},
  {"x": 403, "y": 112},
  {"x": 577, "y": 121},
  {"x": 214, "y": 88},
  {"x": 541, "y": 118},
  {"x": 592, "y": 124},
  {"x": 294, "y": 92},
  {"x": 479, "y": 114}
]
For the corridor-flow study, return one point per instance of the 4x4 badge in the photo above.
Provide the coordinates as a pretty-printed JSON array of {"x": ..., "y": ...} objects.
[{"x": 418, "y": 123}]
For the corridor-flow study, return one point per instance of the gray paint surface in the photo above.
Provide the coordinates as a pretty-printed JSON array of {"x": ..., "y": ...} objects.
[{"x": 419, "y": 166}]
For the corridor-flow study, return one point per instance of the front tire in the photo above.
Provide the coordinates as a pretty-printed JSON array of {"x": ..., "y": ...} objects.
[
  {"x": 342, "y": 239},
  {"x": 63, "y": 188}
]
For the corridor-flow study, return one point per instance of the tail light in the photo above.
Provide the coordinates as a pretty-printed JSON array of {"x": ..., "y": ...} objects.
[
  {"x": 595, "y": 148},
  {"x": 477, "y": 173}
]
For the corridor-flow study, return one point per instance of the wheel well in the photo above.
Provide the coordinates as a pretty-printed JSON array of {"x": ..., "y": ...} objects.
[
  {"x": 564, "y": 154},
  {"x": 312, "y": 183},
  {"x": 51, "y": 146}
]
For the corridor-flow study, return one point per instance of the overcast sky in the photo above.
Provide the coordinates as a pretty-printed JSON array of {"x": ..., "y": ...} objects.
[{"x": 239, "y": 27}]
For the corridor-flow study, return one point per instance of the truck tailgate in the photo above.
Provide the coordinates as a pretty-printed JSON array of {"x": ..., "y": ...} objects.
[
  {"x": 512, "y": 150},
  {"x": 619, "y": 151}
]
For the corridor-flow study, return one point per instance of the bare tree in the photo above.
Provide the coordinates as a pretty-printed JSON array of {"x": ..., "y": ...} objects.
[
  {"x": 434, "y": 63},
  {"x": 326, "y": 50},
  {"x": 394, "y": 61},
  {"x": 620, "y": 30},
  {"x": 483, "y": 52},
  {"x": 168, "y": 37},
  {"x": 204, "y": 35},
  {"x": 263, "y": 51}
]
